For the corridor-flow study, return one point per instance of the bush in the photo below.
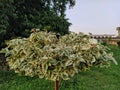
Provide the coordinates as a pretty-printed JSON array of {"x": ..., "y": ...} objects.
[{"x": 46, "y": 56}]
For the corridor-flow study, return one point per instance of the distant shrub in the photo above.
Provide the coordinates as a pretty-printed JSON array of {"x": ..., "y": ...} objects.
[{"x": 118, "y": 44}]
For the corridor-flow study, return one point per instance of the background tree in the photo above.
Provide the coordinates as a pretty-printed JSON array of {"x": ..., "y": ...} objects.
[
  {"x": 18, "y": 17},
  {"x": 118, "y": 29}
]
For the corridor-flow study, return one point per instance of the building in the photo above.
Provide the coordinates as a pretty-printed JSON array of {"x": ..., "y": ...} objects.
[{"x": 107, "y": 38}]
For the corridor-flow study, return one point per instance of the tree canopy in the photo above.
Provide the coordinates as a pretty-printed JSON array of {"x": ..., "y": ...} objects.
[
  {"x": 18, "y": 17},
  {"x": 44, "y": 55}
]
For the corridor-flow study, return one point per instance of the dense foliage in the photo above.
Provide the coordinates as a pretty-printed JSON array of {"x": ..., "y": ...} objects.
[
  {"x": 18, "y": 17},
  {"x": 46, "y": 56}
]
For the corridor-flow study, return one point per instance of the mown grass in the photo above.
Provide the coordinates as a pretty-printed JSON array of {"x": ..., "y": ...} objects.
[{"x": 95, "y": 79}]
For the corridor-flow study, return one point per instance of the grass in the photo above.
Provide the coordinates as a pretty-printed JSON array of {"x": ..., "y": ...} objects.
[{"x": 95, "y": 79}]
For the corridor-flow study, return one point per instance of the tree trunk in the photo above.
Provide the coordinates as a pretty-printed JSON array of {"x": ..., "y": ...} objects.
[{"x": 56, "y": 85}]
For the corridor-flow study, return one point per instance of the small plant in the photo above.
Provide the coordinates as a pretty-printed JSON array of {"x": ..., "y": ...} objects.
[{"x": 44, "y": 55}]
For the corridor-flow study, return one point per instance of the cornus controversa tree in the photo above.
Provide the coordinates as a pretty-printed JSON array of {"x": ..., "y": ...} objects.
[
  {"x": 18, "y": 17},
  {"x": 44, "y": 55}
]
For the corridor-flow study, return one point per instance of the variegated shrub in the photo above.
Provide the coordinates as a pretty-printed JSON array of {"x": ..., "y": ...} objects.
[{"x": 46, "y": 56}]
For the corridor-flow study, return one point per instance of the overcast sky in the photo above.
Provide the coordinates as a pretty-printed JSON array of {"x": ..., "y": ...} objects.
[{"x": 95, "y": 16}]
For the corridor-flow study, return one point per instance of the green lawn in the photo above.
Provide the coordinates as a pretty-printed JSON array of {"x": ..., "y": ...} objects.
[{"x": 95, "y": 79}]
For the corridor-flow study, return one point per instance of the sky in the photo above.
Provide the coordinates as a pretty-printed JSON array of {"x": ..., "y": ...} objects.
[{"x": 95, "y": 16}]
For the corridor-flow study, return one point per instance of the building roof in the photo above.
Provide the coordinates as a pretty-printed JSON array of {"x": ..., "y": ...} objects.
[
  {"x": 106, "y": 36},
  {"x": 103, "y": 35}
]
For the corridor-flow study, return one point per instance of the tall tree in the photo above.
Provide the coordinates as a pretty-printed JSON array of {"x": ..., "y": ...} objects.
[
  {"x": 59, "y": 6},
  {"x": 18, "y": 17}
]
